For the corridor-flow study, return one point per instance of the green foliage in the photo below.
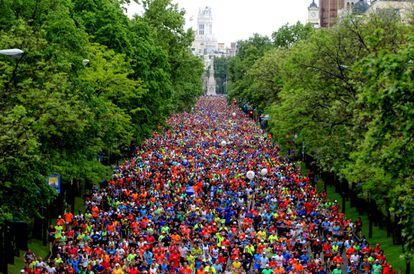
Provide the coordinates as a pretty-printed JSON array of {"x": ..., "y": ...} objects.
[
  {"x": 265, "y": 76},
  {"x": 248, "y": 53},
  {"x": 288, "y": 35},
  {"x": 317, "y": 98},
  {"x": 58, "y": 115},
  {"x": 167, "y": 23},
  {"x": 386, "y": 151},
  {"x": 254, "y": 71},
  {"x": 221, "y": 67}
]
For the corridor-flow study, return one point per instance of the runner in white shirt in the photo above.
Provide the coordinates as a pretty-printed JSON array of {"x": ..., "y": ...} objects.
[{"x": 279, "y": 259}]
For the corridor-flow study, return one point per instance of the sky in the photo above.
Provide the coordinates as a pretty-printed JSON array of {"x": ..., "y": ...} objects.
[{"x": 239, "y": 19}]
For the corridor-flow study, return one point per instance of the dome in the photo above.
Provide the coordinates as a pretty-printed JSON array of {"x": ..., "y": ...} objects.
[
  {"x": 360, "y": 7},
  {"x": 313, "y": 5}
]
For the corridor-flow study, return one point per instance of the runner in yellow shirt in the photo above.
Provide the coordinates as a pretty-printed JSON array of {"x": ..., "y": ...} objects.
[{"x": 118, "y": 269}]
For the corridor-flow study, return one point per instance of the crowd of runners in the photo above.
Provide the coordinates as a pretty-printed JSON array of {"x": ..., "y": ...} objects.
[{"x": 211, "y": 194}]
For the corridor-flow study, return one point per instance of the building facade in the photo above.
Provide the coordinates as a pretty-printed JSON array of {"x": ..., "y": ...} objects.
[
  {"x": 329, "y": 11},
  {"x": 403, "y": 9},
  {"x": 353, "y": 7},
  {"x": 314, "y": 15},
  {"x": 207, "y": 48},
  {"x": 205, "y": 43}
]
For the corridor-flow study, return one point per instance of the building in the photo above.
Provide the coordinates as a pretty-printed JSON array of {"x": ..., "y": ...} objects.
[
  {"x": 402, "y": 9},
  {"x": 221, "y": 47},
  {"x": 314, "y": 15},
  {"x": 231, "y": 52},
  {"x": 348, "y": 8},
  {"x": 353, "y": 7},
  {"x": 329, "y": 11},
  {"x": 207, "y": 48},
  {"x": 205, "y": 42}
]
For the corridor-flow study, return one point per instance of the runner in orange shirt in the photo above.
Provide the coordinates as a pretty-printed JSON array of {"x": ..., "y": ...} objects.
[{"x": 68, "y": 217}]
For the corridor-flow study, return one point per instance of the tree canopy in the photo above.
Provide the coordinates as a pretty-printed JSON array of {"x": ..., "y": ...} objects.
[{"x": 62, "y": 114}]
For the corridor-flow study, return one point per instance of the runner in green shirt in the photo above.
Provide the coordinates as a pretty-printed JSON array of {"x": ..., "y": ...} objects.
[
  {"x": 337, "y": 270},
  {"x": 267, "y": 270},
  {"x": 376, "y": 267}
]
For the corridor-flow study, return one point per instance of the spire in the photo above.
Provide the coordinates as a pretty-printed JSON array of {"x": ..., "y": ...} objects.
[{"x": 313, "y": 5}]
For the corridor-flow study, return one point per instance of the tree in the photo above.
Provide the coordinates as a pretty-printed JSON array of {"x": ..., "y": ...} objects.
[
  {"x": 38, "y": 111},
  {"x": 289, "y": 35},
  {"x": 248, "y": 52},
  {"x": 254, "y": 72},
  {"x": 221, "y": 66},
  {"x": 345, "y": 99},
  {"x": 167, "y": 21},
  {"x": 105, "y": 23},
  {"x": 383, "y": 160},
  {"x": 58, "y": 115},
  {"x": 266, "y": 79}
]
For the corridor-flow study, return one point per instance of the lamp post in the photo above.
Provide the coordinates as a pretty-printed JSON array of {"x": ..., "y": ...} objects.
[
  {"x": 303, "y": 151},
  {"x": 85, "y": 62},
  {"x": 225, "y": 91},
  {"x": 370, "y": 224},
  {"x": 15, "y": 54},
  {"x": 343, "y": 194}
]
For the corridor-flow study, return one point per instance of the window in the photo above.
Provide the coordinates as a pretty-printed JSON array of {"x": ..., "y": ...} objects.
[
  {"x": 391, "y": 12},
  {"x": 201, "y": 29}
]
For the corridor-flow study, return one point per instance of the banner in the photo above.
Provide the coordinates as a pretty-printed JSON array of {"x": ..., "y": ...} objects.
[{"x": 54, "y": 181}]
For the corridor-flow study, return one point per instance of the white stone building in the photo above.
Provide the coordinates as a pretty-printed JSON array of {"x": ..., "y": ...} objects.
[
  {"x": 314, "y": 15},
  {"x": 206, "y": 46},
  {"x": 400, "y": 8},
  {"x": 205, "y": 43}
]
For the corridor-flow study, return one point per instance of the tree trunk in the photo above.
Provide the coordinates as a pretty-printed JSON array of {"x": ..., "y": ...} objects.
[
  {"x": 3, "y": 252},
  {"x": 343, "y": 202},
  {"x": 388, "y": 223},
  {"x": 370, "y": 226}
]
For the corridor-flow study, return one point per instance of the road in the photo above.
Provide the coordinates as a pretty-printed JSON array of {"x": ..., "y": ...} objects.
[{"x": 185, "y": 204}]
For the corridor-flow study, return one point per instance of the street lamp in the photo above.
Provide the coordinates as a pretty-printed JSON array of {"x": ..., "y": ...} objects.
[
  {"x": 13, "y": 53},
  {"x": 225, "y": 91}
]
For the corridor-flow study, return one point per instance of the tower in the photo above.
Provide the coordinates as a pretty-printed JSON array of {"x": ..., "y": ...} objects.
[
  {"x": 329, "y": 11},
  {"x": 206, "y": 46},
  {"x": 314, "y": 15},
  {"x": 205, "y": 43},
  {"x": 205, "y": 22}
]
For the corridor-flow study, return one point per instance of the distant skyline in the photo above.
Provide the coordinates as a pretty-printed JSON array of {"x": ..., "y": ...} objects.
[{"x": 239, "y": 19}]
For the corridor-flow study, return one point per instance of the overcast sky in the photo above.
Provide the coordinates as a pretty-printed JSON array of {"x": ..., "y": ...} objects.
[{"x": 239, "y": 19}]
